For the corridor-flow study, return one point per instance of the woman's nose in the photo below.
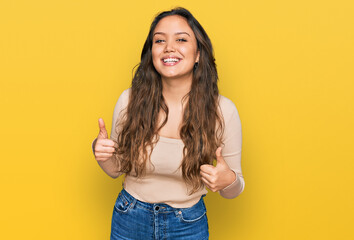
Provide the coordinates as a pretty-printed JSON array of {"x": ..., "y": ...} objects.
[{"x": 169, "y": 47}]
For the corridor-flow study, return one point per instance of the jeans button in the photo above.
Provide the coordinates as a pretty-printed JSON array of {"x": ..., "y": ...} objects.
[{"x": 157, "y": 208}]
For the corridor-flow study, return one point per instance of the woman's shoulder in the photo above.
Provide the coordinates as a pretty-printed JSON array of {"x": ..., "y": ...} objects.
[
  {"x": 226, "y": 104},
  {"x": 125, "y": 94},
  {"x": 228, "y": 108},
  {"x": 122, "y": 101},
  {"x": 124, "y": 97}
]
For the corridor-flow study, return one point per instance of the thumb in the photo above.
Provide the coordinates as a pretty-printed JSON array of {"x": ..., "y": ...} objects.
[
  {"x": 219, "y": 158},
  {"x": 103, "y": 132}
]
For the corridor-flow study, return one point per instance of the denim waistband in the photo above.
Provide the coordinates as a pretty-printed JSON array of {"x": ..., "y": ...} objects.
[{"x": 153, "y": 207}]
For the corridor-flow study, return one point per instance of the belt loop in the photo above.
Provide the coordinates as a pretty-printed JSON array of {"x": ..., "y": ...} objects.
[
  {"x": 177, "y": 212},
  {"x": 133, "y": 203}
]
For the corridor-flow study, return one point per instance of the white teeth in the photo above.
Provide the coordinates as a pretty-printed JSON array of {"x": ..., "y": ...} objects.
[{"x": 170, "y": 60}]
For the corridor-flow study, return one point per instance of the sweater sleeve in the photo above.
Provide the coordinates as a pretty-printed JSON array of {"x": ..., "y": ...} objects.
[
  {"x": 118, "y": 113},
  {"x": 231, "y": 150},
  {"x": 117, "y": 116}
]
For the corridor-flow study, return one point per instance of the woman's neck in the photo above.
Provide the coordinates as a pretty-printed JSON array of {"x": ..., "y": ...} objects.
[{"x": 174, "y": 90}]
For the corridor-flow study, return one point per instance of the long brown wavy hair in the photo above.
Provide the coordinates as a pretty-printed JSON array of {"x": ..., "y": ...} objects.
[{"x": 202, "y": 124}]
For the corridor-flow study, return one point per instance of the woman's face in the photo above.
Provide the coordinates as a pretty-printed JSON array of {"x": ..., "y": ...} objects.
[{"x": 174, "y": 48}]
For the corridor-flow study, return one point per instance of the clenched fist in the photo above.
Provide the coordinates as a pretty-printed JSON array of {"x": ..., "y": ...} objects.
[{"x": 104, "y": 147}]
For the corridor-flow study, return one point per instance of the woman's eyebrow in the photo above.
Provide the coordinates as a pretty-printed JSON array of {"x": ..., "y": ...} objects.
[
  {"x": 182, "y": 33},
  {"x": 177, "y": 33}
]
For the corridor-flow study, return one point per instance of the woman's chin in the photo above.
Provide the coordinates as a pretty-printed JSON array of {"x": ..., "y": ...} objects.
[{"x": 174, "y": 76}]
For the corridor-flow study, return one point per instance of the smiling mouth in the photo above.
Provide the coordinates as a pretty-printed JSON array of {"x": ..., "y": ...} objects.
[{"x": 170, "y": 61}]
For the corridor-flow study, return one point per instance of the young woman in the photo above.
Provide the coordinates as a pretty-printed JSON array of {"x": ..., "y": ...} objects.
[{"x": 167, "y": 130}]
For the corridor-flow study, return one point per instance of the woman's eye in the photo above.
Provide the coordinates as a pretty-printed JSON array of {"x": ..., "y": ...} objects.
[
  {"x": 182, "y": 40},
  {"x": 158, "y": 41}
]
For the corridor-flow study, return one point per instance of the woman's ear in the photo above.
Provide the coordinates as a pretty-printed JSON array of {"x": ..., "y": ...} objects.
[{"x": 198, "y": 54}]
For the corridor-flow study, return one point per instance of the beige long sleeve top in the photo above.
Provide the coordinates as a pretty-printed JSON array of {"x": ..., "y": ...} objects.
[{"x": 163, "y": 183}]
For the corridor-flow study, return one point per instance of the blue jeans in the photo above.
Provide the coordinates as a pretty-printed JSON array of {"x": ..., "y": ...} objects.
[{"x": 136, "y": 220}]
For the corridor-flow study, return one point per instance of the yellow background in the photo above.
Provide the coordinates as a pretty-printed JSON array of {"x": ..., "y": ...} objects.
[{"x": 287, "y": 65}]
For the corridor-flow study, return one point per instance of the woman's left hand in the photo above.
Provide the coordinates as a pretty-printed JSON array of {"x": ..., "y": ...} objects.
[{"x": 218, "y": 177}]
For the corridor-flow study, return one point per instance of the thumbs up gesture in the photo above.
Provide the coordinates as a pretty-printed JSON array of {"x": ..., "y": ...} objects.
[
  {"x": 218, "y": 177},
  {"x": 104, "y": 147}
]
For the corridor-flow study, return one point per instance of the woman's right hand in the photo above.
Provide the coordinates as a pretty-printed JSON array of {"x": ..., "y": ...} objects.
[{"x": 104, "y": 147}]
